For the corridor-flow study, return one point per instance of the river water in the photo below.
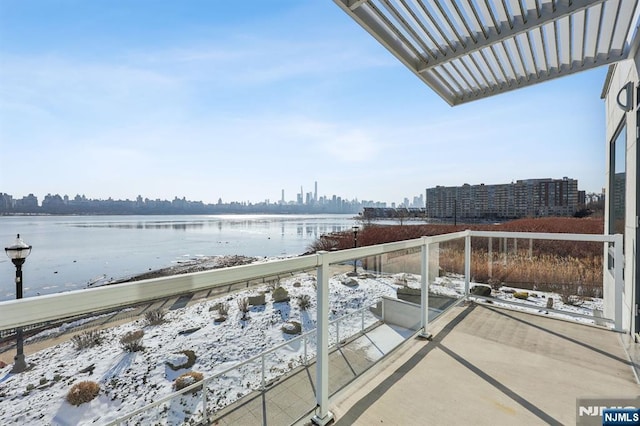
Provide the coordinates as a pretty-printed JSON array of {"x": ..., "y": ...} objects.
[{"x": 71, "y": 251}]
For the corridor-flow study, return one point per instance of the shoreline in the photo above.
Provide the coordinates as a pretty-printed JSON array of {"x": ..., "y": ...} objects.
[{"x": 205, "y": 263}]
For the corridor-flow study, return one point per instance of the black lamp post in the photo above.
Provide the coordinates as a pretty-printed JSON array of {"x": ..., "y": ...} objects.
[
  {"x": 18, "y": 253},
  {"x": 355, "y": 244}
]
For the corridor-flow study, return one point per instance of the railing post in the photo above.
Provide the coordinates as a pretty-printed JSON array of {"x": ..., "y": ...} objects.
[
  {"x": 467, "y": 263},
  {"x": 338, "y": 333},
  {"x": 618, "y": 283},
  {"x": 490, "y": 255},
  {"x": 505, "y": 250},
  {"x": 362, "y": 321},
  {"x": 323, "y": 415},
  {"x": 305, "y": 349},
  {"x": 205, "y": 416},
  {"x": 424, "y": 288},
  {"x": 263, "y": 379},
  {"x": 530, "y": 248}
]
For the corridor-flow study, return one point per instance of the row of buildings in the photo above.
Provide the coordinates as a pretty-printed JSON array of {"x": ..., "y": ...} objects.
[
  {"x": 57, "y": 204},
  {"x": 523, "y": 198}
]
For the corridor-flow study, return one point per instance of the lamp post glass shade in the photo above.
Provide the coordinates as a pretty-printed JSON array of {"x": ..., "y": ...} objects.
[{"x": 19, "y": 250}]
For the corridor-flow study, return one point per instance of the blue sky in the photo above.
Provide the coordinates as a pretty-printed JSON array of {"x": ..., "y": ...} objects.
[{"x": 216, "y": 99}]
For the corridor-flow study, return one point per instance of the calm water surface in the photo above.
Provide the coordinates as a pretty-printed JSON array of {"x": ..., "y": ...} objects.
[{"x": 70, "y": 251}]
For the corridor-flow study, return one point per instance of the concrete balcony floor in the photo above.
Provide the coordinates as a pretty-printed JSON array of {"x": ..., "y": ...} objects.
[{"x": 487, "y": 365}]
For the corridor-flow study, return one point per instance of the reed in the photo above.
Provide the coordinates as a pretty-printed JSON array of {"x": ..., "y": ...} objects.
[{"x": 580, "y": 276}]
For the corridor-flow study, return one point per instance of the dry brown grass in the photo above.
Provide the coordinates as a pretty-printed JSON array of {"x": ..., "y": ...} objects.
[
  {"x": 132, "y": 341},
  {"x": 565, "y": 267},
  {"x": 82, "y": 392},
  {"x": 564, "y": 275},
  {"x": 187, "y": 379}
]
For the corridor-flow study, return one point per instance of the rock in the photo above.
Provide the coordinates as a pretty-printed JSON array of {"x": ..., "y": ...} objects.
[
  {"x": 350, "y": 282},
  {"x": 280, "y": 294},
  {"x": 182, "y": 359},
  {"x": 257, "y": 300},
  {"x": 481, "y": 290},
  {"x": 291, "y": 327},
  {"x": 550, "y": 303},
  {"x": 88, "y": 369},
  {"x": 177, "y": 360}
]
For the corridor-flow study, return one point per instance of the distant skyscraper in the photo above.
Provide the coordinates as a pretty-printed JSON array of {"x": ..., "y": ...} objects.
[
  {"x": 315, "y": 193},
  {"x": 282, "y": 199}
]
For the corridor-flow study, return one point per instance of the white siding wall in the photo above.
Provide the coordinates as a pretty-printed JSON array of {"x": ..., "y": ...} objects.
[{"x": 625, "y": 71}]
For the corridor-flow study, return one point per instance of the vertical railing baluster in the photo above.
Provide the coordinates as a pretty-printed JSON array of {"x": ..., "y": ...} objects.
[
  {"x": 323, "y": 415},
  {"x": 618, "y": 285},
  {"x": 263, "y": 379},
  {"x": 490, "y": 255},
  {"x": 305, "y": 349},
  {"x": 467, "y": 263},
  {"x": 504, "y": 250},
  {"x": 204, "y": 401}
]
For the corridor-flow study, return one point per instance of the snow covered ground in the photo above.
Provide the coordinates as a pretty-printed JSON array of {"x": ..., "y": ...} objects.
[{"x": 131, "y": 380}]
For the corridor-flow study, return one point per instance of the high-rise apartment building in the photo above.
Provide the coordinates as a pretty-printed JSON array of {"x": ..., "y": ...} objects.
[{"x": 524, "y": 198}]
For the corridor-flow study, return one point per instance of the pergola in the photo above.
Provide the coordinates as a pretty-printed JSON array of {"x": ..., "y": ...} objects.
[{"x": 470, "y": 49}]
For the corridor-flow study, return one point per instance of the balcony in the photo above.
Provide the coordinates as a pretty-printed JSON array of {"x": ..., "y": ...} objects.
[{"x": 493, "y": 356}]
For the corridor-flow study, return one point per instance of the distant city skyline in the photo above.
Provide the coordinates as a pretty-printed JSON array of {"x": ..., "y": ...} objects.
[
  {"x": 206, "y": 100},
  {"x": 301, "y": 198},
  {"x": 58, "y": 204}
]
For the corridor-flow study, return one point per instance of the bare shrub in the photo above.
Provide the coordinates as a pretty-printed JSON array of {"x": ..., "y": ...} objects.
[
  {"x": 521, "y": 295},
  {"x": 87, "y": 339},
  {"x": 304, "y": 301},
  {"x": 155, "y": 317},
  {"x": 222, "y": 308},
  {"x": 82, "y": 392},
  {"x": 187, "y": 379},
  {"x": 132, "y": 341},
  {"x": 273, "y": 284},
  {"x": 243, "y": 306},
  {"x": 494, "y": 283},
  {"x": 567, "y": 294},
  {"x": 330, "y": 242}
]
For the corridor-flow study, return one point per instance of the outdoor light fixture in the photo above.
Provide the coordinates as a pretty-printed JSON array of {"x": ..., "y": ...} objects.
[
  {"x": 355, "y": 244},
  {"x": 625, "y": 97},
  {"x": 18, "y": 253}
]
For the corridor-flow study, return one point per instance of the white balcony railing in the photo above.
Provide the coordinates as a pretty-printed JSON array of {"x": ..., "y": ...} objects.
[{"x": 26, "y": 312}]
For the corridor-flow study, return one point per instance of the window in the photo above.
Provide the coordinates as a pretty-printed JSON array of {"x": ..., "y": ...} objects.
[{"x": 617, "y": 180}]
